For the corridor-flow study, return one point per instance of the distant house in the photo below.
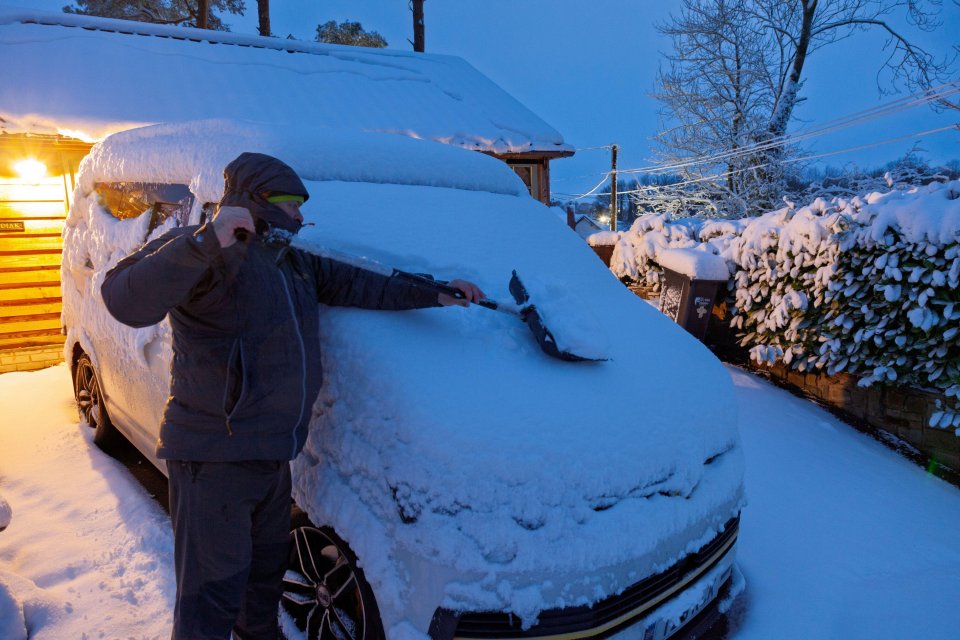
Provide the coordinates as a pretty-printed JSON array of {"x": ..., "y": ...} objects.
[
  {"x": 67, "y": 81},
  {"x": 586, "y": 225}
]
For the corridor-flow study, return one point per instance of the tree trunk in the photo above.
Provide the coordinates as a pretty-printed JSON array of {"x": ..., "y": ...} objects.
[
  {"x": 203, "y": 13},
  {"x": 418, "y": 29},
  {"x": 263, "y": 13},
  {"x": 738, "y": 118},
  {"x": 788, "y": 93}
]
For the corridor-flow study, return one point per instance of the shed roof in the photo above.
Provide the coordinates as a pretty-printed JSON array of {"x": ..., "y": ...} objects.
[{"x": 88, "y": 77}]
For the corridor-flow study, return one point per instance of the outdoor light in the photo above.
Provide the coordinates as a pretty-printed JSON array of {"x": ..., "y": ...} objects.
[{"x": 30, "y": 170}]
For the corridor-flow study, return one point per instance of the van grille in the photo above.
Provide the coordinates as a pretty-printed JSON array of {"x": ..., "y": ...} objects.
[{"x": 608, "y": 616}]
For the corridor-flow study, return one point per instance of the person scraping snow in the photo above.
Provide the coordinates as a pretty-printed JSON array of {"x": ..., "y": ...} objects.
[{"x": 246, "y": 370}]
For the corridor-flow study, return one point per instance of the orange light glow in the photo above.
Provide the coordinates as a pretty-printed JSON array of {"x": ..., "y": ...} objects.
[{"x": 31, "y": 170}]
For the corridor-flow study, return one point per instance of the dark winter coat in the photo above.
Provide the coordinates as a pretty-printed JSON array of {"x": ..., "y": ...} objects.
[{"x": 246, "y": 352}]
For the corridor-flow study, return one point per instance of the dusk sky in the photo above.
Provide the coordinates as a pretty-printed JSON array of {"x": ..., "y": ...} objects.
[{"x": 588, "y": 70}]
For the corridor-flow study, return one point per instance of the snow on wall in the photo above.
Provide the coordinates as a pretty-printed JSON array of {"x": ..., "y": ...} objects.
[
  {"x": 602, "y": 238},
  {"x": 464, "y": 466},
  {"x": 154, "y": 73}
]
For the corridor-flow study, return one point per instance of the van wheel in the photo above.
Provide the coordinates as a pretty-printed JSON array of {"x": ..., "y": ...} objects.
[
  {"x": 325, "y": 595},
  {"x": 87, "y": 391}
]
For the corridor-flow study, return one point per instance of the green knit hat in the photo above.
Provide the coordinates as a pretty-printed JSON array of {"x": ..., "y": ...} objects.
[{"x": 284, "y": 197}]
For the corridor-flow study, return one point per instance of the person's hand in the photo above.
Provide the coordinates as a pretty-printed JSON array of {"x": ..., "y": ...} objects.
[
  {"x": 471, "y": 293},
  {"x": 226, "y": 222}
]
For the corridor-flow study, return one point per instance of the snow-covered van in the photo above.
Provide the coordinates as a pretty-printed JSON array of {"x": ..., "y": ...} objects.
[{"x": 458, "y": 482}]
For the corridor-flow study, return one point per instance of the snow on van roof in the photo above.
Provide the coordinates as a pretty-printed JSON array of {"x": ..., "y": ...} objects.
[
  {"x": 195, "y": 153},
  {"x": 88, "y": 77}
]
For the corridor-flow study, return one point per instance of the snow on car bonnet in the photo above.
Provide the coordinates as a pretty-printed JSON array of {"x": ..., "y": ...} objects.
[{"x": 468, "y": 445}]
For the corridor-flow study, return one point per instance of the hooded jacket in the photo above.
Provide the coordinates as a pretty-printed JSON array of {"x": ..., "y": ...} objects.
[{"x": 246, "y": 353}]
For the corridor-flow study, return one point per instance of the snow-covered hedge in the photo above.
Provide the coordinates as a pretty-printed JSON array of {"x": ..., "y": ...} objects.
[
  {"x": 634, "y": 256},
  {"x": 869, "y": 285}
]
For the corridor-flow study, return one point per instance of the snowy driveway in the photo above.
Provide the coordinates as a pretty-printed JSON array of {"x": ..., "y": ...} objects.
[{"x": 841, "y": 538}]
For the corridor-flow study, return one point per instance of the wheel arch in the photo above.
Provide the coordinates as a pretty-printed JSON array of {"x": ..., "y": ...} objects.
[{"x": 77, "y": 344}]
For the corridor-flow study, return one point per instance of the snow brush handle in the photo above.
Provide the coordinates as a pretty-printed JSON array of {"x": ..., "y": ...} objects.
[{"x": 427, "y": 282}]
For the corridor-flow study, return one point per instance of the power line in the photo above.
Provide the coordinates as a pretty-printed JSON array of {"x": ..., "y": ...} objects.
[
  {"x": 599, "y": 184},
  {"x": 582, "y": 175},
  {"x": 841, "y": 122},
  {"x": 859, "y": 117},
  {"x": 606, "y": 146},
  {"x": 955, "y": 126},
  {"x": 919, "y": 134}
]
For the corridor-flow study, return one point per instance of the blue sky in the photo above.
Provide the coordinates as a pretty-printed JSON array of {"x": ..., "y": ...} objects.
[{"x": 587, "y": 68}]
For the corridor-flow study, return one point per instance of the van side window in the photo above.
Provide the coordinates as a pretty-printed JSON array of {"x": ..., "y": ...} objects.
[{"x": 124, "y": 200}]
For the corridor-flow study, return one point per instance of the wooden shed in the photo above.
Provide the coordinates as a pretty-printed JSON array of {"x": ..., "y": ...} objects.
[
  {"x": 70, "y": 78},
  {"x": 36, "y": 183}
]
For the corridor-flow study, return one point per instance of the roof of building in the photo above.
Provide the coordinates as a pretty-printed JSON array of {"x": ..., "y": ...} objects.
[{"x": 88, "y": 77}]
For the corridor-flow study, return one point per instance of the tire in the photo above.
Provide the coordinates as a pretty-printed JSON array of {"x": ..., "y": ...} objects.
[
  {"x": 89, "y": 396},
  {"x": 325, "y": 594}
]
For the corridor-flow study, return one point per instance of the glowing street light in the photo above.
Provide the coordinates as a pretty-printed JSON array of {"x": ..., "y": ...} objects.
[{"x": 31, "y": 170}]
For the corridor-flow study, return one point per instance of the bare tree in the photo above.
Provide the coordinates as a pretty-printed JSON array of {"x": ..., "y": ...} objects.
[
  {"x": 735, "y": 77},
  {"x": 716, "y": 93}
]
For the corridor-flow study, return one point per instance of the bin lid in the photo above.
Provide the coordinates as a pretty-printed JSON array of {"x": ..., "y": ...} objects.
[{"x": 695, "y": 264}]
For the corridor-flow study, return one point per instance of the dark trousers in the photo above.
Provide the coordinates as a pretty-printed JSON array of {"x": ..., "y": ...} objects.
[{"x": 231, "y": 527}]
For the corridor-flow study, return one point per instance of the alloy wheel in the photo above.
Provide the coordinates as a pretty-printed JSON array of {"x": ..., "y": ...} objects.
[
  {"x": 322, "y": 591},
  {"x": 89, "y": 398}
]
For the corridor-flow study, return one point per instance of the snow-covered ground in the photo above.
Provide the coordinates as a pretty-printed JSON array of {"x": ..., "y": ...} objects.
[
  {"x": 88, "y": 554},
  {"x": 841, "y": 537}
]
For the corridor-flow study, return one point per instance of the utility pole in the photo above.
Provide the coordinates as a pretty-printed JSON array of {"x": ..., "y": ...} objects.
[
  {"x": 418, "y": 36},
  {"x": 203, "y": 12},
  {"x": 613, "y": 186}
]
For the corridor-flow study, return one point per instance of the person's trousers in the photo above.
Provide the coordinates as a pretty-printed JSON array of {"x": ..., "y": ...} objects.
[{"x": 231, "y": 527}]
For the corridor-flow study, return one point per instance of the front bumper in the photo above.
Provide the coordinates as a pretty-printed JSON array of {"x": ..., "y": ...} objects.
[{"x": 658, "y": 605}]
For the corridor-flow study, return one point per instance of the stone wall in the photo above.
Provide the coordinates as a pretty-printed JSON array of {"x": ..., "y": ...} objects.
[
  {"x": 900, "y": 411},
  {"x": 30, "y": 358}
]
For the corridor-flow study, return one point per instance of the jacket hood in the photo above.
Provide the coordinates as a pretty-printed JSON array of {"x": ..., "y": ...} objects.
[{"x": 251, "y": 175}]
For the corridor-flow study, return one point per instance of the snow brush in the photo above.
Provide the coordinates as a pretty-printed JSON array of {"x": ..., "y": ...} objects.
[{"x": 524, "y": 309}]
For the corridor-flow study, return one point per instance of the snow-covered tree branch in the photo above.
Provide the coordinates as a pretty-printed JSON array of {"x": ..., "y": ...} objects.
[
  {"x": 730, "y": 87},
  {"x": 179, "y": 12}
]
